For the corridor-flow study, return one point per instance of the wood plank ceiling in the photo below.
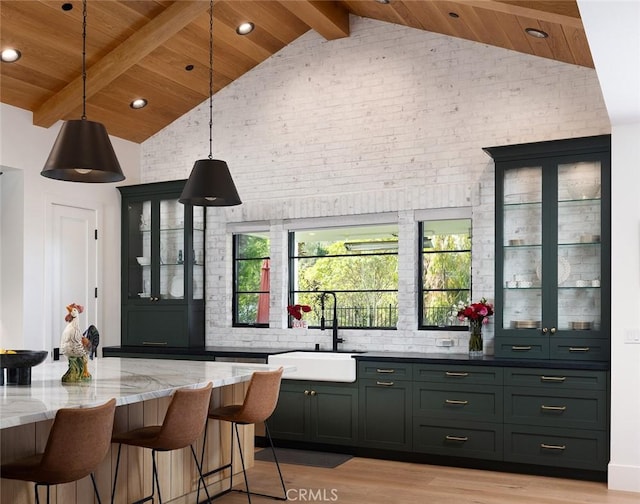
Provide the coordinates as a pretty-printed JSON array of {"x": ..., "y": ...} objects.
[{"x": 142, "y": 48}]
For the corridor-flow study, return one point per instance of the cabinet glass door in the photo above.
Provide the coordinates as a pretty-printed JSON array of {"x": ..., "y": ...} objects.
[
  {"x": 579, "y": 246},
  {"x": 522, "y": 248},
  {"x": 172, "y": 251},
  {"x": 139, "y": 254},
  {"x": 198, "y": 252}
]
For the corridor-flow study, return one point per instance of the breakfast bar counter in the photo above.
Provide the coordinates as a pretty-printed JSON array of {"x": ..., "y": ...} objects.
[{"x": 142, "y": 389}]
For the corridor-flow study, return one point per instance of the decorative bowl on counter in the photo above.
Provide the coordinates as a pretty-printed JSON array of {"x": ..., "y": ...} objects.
[{"x": 19, "y": 364}]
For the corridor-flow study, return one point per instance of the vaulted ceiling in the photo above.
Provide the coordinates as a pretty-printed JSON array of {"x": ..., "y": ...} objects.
[{"x": 143, "y": 48}]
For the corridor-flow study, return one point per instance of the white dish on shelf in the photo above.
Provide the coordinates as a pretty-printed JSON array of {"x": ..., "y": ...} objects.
[
  {"x": 176, "y": 288},
  {"x": 143, "y": 261},
  {"x": 564, "y": 270}
]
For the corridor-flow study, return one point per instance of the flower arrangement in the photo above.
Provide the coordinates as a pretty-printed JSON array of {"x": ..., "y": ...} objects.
[
  {"x": 297, "y": 310},
  {"x": 477, "y": 312}
]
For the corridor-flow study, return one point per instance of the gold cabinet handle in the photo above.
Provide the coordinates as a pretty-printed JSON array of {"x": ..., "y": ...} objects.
[
  {"x": 456, "y": 374},
  {"x": 457, "y": 438},
  {"x": 313, "y": 393},
  {"x": 553, "y": 408},
  {"x": 156, "y": 343},
  {"x": 387, "y": 371},
  {"x": 553, "y": 330},
  {"x": 454, "y": 401},
  {"x": 579, "y": 349},
  {"x": 545, "y": 330},
  {"x": 521, "y": 348},
  {"x": 306, "y": 392},
  {"x": 385, "y": 383},
  {"x": 552, "y": 447},
  {"x": 558, "y": 379}
]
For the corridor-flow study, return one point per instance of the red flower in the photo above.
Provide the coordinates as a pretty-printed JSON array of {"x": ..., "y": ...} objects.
[
  {"x": 296, "y": 310},
  {"x": 475, "y": 311}
]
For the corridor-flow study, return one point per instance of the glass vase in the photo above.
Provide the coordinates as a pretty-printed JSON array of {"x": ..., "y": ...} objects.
[{"x": 475, "y": 339}]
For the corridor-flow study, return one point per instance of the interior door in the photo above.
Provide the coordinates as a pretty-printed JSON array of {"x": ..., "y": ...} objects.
[{"x": 74, "y": 267}]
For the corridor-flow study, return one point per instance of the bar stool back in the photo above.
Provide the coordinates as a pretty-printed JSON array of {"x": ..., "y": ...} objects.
[
  {"x": 78, "y": 441},
  {"x": 183, "y": 424},
  {"x": 259, "y": 403}
]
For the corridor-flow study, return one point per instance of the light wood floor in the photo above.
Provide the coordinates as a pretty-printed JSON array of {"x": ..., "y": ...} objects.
[{"x": 369, "y": 481}]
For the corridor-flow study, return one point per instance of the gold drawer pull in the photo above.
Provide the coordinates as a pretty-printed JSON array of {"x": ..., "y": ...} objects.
[
  {"x": 521, "y": 348},
  {"x": 453, "y": 401},
  {"x": 553, "y": 408},
  {"x": 457, "y": 438},
  {"x": 459, "y": 375},
  {"x": 388, "y": 371},
  {"x": 157, "y": 343},
  {"x": 552, "y": 447},
  {"x": 385, "y": 383},
  {"x": 553, "y": 378},
  {"x": 579, "y": 349}
]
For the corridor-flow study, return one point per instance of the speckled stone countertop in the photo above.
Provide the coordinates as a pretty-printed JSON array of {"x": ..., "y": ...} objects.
[{"x": 128, "y": 380}]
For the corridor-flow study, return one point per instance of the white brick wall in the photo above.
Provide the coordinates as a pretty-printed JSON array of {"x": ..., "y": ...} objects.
[{"x": 390, "y": 119}]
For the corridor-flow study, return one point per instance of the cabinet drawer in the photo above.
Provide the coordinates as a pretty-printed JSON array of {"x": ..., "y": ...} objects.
[
  {"x": 522, "y": 348},
  {"x": 457, "y": 439},
  {"x": 556, "y": 379},
  {"x": 385, "y": 370},
  {"x": 460, "y": 402},
  {"x": 595, "y": 349},
  {"x": 444, "y": 373},
  {"x": 561, "y": 408},
  {"x": 153, "y": 327},
  {"x": 575, "y": 448}
]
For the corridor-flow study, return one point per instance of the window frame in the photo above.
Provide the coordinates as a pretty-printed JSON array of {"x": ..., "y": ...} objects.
[
  {"x": 422, "y": 290},
  {"x": 235, "y": 292}
]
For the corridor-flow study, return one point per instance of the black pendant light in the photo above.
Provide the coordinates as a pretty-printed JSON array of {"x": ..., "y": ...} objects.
[
  {"x": 210, "y": 183},
  {"x": 83, "y": 152}
]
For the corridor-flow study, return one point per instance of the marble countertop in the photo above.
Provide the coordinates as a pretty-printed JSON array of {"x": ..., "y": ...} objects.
[{"x": 128, "y": 380}]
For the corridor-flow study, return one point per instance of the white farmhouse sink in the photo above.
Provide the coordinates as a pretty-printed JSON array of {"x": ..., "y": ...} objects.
[{"x": 319, "y": 366}]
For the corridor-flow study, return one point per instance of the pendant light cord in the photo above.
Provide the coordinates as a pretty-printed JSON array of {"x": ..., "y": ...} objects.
[
  {"x": 210, "y": 79},
  {"x": 84, "y": 58}
]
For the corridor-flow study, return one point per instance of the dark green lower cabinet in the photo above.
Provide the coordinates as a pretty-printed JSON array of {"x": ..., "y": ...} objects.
[
  {"x": 319, "y": 412},
  {"x": 385, "y": 414},
  {"x": 574, "y": 448},
  {"x": 150, "y": 326},
  {"x": 457, "y": 438}
]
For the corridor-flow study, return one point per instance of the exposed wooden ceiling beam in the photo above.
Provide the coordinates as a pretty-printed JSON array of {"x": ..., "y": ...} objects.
[
  {"x": 327, "y": 18},
  {"x": 173, "y": 19},
  {"x": 520, "y": 8}
]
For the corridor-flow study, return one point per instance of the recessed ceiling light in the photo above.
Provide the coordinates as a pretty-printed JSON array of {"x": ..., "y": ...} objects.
[
  {"x": 188, "y": 68},
  {"x": 67, "y": 6},
  {"x": 245, "y": 28},
  {"x": 534, "y": 32},
  {"x": 10, "y": 55},
  {"x": 454, "y": 15},
  {"x": 138, "y": 103},
  {"x": 385, "y": 2}
]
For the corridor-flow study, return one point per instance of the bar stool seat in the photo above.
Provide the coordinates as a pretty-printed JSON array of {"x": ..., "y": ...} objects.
[
  {"x": 183, "y": 424},
  {"x": 78, "y": 441},
  {"x": 259, "y": 403}
]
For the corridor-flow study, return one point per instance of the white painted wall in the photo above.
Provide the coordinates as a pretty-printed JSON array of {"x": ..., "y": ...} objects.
[
  {"x": 617, "y": 62},
  {"x": 389, "y": 120},
  {"x": 25, "y": 197}
]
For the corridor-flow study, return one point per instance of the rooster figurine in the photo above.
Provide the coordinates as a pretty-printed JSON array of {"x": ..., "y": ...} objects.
[{"x": 75, "y": 347}]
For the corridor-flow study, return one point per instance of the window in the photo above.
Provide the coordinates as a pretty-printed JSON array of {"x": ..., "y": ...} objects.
[
  {"x": 445, "y": 272},
  {"x": 251, "y": 279},
  {"x": 359, "y": 264}
]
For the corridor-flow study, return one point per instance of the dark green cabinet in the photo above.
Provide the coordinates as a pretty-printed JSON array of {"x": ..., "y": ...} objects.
[
  {"x": 458, "y": 410},
  {"x": 319, "y": 412},
  {"x": 162, "y": 266},
  {"x": 385, "y": 397},
  {"x": 553, "y": 249}
]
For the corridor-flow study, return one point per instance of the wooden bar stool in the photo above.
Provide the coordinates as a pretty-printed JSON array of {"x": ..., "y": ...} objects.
[
  {"x": 78, "y": 441},
  {"x": 258, "y": 405},
  {"x": 183, "y": 424}
]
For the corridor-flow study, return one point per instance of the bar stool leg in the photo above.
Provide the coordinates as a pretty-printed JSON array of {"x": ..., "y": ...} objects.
[
  {"x": 275, "y": 458},
  {"x": 244, "y": 470}
]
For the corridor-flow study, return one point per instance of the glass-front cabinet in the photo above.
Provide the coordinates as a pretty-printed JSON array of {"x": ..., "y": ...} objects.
[
  {"x": 552, "y": 249},
  {"x": 162, "y": 267}
]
